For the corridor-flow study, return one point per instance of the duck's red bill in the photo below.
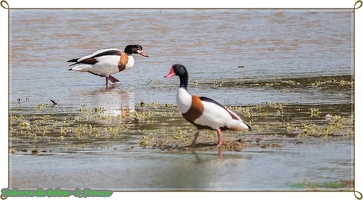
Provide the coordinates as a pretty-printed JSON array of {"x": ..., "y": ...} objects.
[
  {"x": 171, "y": 73},
  {"x": 143, "y": 54}
]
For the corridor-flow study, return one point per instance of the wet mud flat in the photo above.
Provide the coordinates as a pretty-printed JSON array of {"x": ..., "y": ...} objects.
[
  {"x": 298, "y": 146},
  {"x": 161, "y": 126}
]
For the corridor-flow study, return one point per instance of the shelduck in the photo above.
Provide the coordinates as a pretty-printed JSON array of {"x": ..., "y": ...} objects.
[
  {"x": 203, "y": 112},
  {"x": 105, "y": 62}
]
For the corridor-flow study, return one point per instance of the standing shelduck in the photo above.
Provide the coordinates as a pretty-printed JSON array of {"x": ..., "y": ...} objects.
[
  {"x": 203, "y": 112},
  {"x": 105, "y": 62}
]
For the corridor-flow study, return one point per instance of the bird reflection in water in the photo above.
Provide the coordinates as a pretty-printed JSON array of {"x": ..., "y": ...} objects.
[{"x": 112, "y": 100}]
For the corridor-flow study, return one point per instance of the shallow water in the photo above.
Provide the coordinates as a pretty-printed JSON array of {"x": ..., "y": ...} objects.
[
  {"x": 252, "y": 169},
  {"x": 237, "y": 57},
  {"x": 211, "y": 44}
]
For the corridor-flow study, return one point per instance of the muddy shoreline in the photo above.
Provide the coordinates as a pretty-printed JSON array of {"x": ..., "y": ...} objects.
[{"x": 161, "y": 126}]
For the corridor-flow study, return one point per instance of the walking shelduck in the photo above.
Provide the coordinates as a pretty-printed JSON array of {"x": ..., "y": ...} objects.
[
  {"x": 105, "y": 62},
  {"x": 203, "y": 112}
]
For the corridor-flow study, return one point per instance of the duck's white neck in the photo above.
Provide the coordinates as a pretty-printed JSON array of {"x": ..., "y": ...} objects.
[
  {"x": 130, "y": 62},
  {"x": 183, "y": 100}
]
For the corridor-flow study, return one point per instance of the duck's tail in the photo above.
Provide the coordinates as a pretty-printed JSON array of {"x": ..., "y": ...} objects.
[
  {"x": 80, "y": 67},
  {"x": 237, "y": 124}
]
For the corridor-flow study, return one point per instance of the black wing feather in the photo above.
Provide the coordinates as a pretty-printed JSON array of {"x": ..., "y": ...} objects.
[
  {"x": 105, "y": 53},
  {"x": 73, "y": 60},
  {"x": 108, "y": 53},
  {"x": 212, "y": 101}
]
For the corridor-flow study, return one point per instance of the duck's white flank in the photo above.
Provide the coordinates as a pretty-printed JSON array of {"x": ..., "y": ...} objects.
[
  {"x": 213, "y": 116},
  {"x": 105, "y": 66}
]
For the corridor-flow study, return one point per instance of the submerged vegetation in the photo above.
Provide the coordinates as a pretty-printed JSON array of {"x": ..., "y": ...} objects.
[
  {"x": 161, "y": 126},
  {"x": 342, "y": 82}
]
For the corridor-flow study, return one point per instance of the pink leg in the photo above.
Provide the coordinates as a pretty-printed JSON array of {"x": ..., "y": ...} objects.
[
  {"x": 195, "y": 138},
  {"x": 220, "y": 139},
  {"x": 106, "y": 81}
]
